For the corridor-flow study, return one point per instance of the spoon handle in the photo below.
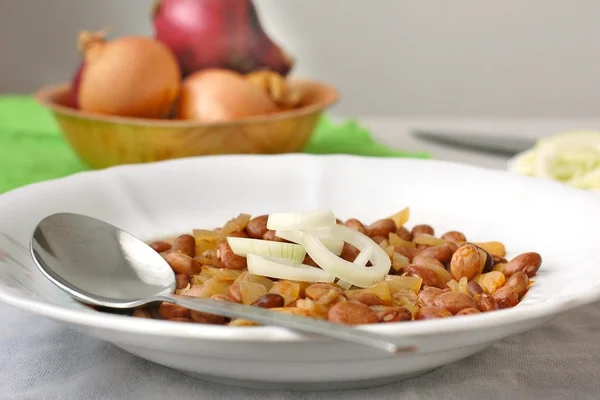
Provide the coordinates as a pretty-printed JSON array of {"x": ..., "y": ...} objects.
[{"x": 304, "y": 324}]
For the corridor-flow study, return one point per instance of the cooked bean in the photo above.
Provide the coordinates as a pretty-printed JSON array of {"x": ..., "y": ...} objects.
[
  {"x": 383, "y": 228},
  {"x": 406, "y": 252},
  {"x": 182, "y": 263},
  {"x": 441, "y": 253},
  {"x": 160, "y": 247},
  {"x": 182, "y": 281},
  {"x": 468, "y": 311},
  {"x": 356, "y": 225},
  {"x": 454, "y": 236},
  {"x": 485, "y": 302},
  {"x": 526, "y": 262},
  {"x": 429, "y": 276},
  {"x": 394, "y": 314},
  {"x": 366, "y": 298},
  {"x": 270, "y": 300},
  {"x": 520, "y": 281},
  {"x": 428, "y": 294},
  {"x": 185, "y": 244},
  {"x": 257, "y": 227},
  {"x": 229, "y": 259},
  {"x": 169, "y": 311},
  {"x": 179, "y": 319},
  {"x": 270, "y": 235},
  {"x": 404, "y": 233},
  {"x": 454, "y": 301},
  {"x": 378, "y": 239},
  {"x": 349, "y": 252},
  {"x": 422, "y": 229},
  {"x": 475, "y": 287},
  {"x": 432, "y": 313},
  {"x": 465, "y": 262},
  {"x": 351, "y": 313},
  {"x": 309, "y": 261},
  {"x": 506, "y": 297}
]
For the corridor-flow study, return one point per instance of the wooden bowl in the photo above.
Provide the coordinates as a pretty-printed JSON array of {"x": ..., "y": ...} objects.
[{"x": 103, "y": 141}]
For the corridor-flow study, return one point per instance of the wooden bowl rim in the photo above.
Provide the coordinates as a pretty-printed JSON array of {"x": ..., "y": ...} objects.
[{"x": 44, "y": 97}]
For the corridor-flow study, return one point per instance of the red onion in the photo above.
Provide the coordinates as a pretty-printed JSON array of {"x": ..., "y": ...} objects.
[{"x": 217, "y": 34}]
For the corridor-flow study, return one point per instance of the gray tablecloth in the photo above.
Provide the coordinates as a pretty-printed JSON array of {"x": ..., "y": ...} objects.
[{"x": 41, "y": 359}]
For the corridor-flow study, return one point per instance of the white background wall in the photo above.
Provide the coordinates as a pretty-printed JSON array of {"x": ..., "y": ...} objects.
[{"x": 513, "y": 58}]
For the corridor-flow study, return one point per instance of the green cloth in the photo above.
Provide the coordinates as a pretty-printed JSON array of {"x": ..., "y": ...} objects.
[{"x": 33, "y": 150}]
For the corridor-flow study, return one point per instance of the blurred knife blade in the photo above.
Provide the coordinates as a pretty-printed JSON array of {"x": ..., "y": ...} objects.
[{"x": 493, "y": 144}]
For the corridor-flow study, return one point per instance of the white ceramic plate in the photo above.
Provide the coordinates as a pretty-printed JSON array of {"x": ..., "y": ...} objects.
[{"x": 167, "y": 198}]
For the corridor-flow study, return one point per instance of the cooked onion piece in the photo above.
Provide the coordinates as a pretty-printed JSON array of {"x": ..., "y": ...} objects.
[
  {"x": 289, "y": 251},
  {"x": 300, "y": 220},
  {"x": 280, "y": 268}
]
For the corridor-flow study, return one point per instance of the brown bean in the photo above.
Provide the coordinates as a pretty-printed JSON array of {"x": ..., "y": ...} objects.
[
  {"x": 141, "y": 313},
  {"x": 499, "y": 260},
  {"x": 506, "y": 297},
  {"x": 206, "y": 318},
  {"x": 240, "y": 234},
  {"x": 429, "y": 276},
  {"x": 485, "y": 302},
  {"x": 441, "y": 253},
  {"x": 182, "y": 281},
  {"x": 468, "y": 311},
  {"x": 488, "y": 263},
  {"x": 383, "y": 228},
  {"x": 466, "y": 262},
  {"x": 366, "y": 298},
  {"x": 454, "y": 236},
  {"x": 452, "y": 246},
  {"x": 428, "y": 294},
  {"x": 309, "y": 261},
  {"x": 520, "y": 281},
  {"x": 318, "y": 290},
  {"x": 349, "y": 252},
  {"x": 394, "y": 314},
  {"x": 185, "y": 244},
  {"x": 270, "y": 300},
  {"x": 160, "y": 247},
  {"x": 422, "y": 229},
  {"x": 428, "y": 262},
  {"x": 180, "y": 319},
  {"x": 475, "y": 287},
  {"x": 169, "y": 311},
  {"x": 352, "y": 313},
  {"x": 526, "y": 262},
  {"x": 432, "y": 313},
  {"x": 270, "y": 235},
  {"x": 406, "y": 252},
  {"x": 182, "y": 263},
  {"x": 404, "y": 233},
  {"x": 229, "y": 259},
  {"x": 454, "y": 301},
  {"x": 356, "y": 225},
  {"x": 257, "y": 227},
  {"x": 378, "y": 239}
]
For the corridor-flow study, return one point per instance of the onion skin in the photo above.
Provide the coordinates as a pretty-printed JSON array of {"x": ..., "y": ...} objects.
[
  {"x": 217, "y": 34},
  {"x": 219, "y": 95},
  {"x": 131, "y": 77}
]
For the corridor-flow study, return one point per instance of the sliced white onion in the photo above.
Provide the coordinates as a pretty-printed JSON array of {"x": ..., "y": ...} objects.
[
  {"x": 300, "y": 220},
  {"x": 289, "y": 251},
  {"x": 279, "y": 268},
  {"x": 335, "y": 246},
  {"x": 343, "y": 284},
  {"x": 355, "y": 274}
]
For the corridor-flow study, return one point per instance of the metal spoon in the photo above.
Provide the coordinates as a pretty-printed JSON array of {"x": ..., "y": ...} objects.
[{"x": 100, "y": 264}]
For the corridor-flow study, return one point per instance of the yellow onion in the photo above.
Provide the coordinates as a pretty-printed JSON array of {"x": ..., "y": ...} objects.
[
  {"x": 131, "y": 76},
  {"x": 219, "y": 95}
]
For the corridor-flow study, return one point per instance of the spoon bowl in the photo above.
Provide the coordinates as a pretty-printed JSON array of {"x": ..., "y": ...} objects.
[{"x": 100, "y": 264}]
